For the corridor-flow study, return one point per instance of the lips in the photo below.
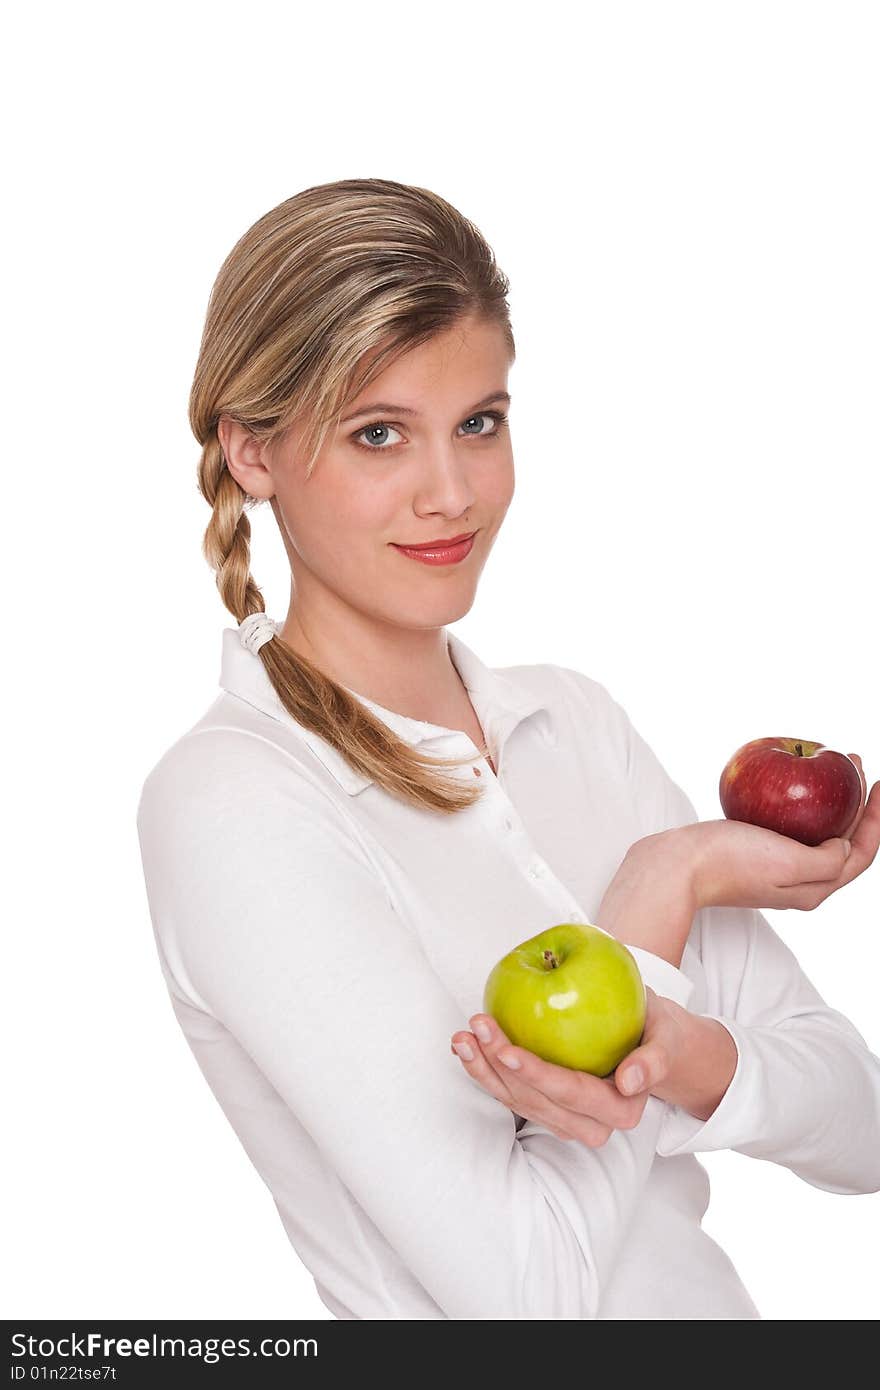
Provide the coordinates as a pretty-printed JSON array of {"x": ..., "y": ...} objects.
[{"x": 437, "y": 545}]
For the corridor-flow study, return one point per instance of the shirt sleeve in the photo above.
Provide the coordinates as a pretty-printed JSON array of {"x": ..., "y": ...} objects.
[
  {"x": 281, "y": 926},
  {"x": 806, "y": 1090}
]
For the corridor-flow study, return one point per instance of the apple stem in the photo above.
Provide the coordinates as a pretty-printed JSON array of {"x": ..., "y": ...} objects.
[
  {"x": 550, "y": 960},
  {"x": 799, "y": 749}
]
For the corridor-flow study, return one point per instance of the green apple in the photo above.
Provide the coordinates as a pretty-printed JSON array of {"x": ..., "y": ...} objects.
[{"x": 572, "y": 994}]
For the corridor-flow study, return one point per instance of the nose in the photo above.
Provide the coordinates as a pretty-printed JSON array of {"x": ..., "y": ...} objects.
[{"x": 445, "y": 484}]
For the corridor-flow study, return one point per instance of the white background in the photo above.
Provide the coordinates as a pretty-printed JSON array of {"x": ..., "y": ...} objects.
[{"x": 685, "y": 197}]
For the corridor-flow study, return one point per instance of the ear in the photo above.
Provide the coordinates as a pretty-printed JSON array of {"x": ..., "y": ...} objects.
[{"x": 244, "y": 455}]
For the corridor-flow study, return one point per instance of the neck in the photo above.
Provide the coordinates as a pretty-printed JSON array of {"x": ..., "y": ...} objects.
[{"x": 406, "y": 670}]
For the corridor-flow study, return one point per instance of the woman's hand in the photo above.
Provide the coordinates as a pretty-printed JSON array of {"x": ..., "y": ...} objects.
[
  {"x": 681, "y": 1058},
  {"x": 666, "y": 877},
  {"x": 739, "y": 865},
  {"x": 571, "y": 1104},
  {"x": 575, "y": 1104}
]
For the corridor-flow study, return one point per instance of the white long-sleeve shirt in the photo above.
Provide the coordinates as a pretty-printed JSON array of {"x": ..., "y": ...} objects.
[{"x": 321, "y": 941}]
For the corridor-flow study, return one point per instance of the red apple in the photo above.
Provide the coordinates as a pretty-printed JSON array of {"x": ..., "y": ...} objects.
[{"x": 796, "y": 787}]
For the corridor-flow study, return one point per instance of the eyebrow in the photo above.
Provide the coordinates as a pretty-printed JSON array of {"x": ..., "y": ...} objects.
[{"x": 407, "y": 410}]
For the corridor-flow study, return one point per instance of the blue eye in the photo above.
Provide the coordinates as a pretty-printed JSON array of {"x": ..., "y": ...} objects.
[{"x": 498, "y": 416}]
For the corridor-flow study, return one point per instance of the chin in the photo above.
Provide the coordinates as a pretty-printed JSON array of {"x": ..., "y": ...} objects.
[{"x": 445, "y": 609}]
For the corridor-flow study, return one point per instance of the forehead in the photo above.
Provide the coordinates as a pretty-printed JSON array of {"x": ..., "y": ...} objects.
[{"x": 449, "y": 359}]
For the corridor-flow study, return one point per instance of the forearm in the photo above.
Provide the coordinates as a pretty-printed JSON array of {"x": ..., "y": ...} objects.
[{"x": 651, "y": 901}]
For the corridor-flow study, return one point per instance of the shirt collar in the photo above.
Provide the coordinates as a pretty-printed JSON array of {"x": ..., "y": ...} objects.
[{"x": 499, "y": 701}]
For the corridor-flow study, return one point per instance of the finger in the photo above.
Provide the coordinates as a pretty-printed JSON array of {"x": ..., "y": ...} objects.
[
  {"x": 864, "y": 842},
  {"x": 822, "y": 863},
  {"x": 866, "y": 837},
  {"x": 579, "y": 1092},
  {"x": 848, "y": 833},
  {"x": 477, "y": 1066},
  {"x": 523, "y": 1100}
]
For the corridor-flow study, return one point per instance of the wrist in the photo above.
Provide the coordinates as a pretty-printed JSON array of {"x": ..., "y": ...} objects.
[
  {"x": 703, "y": 1067},
  {"x": 693, "y": 844}
]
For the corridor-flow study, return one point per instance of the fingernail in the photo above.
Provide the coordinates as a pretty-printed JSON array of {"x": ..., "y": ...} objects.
[
  {"x": 509, "y": 1059},
  {"x": 464, "y": 1051},
  {"x": 482, "y": 1031},
  {"x": 633, "y": 1079}
]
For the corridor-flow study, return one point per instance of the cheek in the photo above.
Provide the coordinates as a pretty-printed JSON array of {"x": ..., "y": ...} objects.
[
  {"x": 344, "y": 527},
  {"x": 497, "y": 484}
]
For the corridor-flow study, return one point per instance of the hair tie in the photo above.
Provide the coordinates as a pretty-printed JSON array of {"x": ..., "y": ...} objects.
[{"x": 256, "y": 629}]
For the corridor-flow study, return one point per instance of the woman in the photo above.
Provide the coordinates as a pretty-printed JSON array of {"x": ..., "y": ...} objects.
[{"x": 368, "y": 817}]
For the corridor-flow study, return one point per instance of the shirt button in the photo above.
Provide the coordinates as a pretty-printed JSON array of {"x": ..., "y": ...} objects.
[
  {"x": 508, "y": 823},
  {"x": 536, "y": 870}
]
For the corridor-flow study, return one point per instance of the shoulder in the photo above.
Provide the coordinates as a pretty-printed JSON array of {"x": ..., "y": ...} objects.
[
  {"x": 591, "y": 718},
  {"x": 233, "y": 755},
  {"x": 572, "y": 695},
  {"x": 561, "y": 683}
]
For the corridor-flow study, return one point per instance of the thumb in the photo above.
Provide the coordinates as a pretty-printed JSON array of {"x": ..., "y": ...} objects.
[{"x": 644, "y": 1067}]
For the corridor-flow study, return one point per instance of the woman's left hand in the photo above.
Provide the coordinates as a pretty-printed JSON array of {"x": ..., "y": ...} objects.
[
  {"x": 683, "y": 1058},
  {"x": 575, "y": 1104},
  {"x": 571, "y": 1104}
]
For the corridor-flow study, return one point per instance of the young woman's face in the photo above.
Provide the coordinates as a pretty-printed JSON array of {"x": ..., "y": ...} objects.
[{"x": 433, "y": 463}]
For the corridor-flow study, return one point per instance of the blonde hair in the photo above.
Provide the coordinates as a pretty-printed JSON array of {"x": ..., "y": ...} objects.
[{"x": 339, "y": 270}]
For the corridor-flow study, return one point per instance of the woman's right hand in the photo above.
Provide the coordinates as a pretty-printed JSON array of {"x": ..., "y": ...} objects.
[
  {"x": 735, "y": 864},
  {"x": 666, "y": 877}
]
